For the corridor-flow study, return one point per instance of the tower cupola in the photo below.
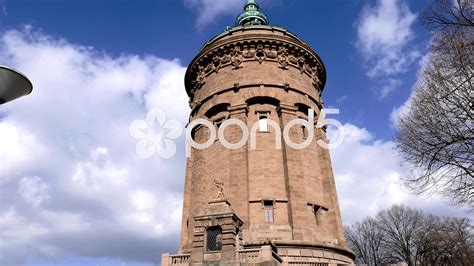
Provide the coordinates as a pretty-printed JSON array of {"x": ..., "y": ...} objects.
[{"x": 251, "y": 15}]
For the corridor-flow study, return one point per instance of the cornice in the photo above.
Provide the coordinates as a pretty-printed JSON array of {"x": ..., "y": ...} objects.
[
  {"x": 195, "y": 106},
  {"x": 232, "y": 51}
]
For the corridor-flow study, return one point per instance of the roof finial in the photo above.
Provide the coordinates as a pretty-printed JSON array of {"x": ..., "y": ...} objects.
[{"x": 251, "y": 15}]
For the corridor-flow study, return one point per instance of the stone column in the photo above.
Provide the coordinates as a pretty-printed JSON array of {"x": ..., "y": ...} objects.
[
  {"x": 238, "y": 161},
  {"x": 294, "y": 176},
  {"x": 185, "y": 243}
]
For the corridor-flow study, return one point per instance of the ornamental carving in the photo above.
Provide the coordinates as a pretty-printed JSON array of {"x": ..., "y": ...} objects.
[
  {"x": 209, "y": 68},
  {"x": 301, "y": 64},
  {"x": 283, "y": 57},
  {"x": 200, "y": 77},
  {"x": 236, "y": 58},
  {"x": 315, "y": 77},
  {"x": 216, "y": 63},
  {"x": 226, "y": 59},
  {"x": 292, "y": 59},
  {"x": 235, "y": 54},
  {"x": 260, "y": 54},
  {"x": 248, "y": 54},
  {"x": 272, "y": 54}
]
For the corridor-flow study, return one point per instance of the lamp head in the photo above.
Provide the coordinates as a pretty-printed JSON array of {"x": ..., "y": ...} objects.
[{"x": 13, "y": 84}]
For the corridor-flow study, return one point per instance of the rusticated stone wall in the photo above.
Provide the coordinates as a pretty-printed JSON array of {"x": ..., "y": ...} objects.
[{"x": 246, "y": 73}]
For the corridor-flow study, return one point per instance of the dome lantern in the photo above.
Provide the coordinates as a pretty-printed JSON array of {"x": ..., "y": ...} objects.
[{"x": 251, "y": 15}]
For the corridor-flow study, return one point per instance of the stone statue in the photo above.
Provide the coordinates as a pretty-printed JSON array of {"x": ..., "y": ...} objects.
[{"x": 220, "y": 189}]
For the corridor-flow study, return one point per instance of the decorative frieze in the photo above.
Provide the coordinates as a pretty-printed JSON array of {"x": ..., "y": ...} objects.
[{"x": 235, "y": 54}]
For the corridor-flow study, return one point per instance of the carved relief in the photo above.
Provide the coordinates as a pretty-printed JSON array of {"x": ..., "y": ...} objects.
[
  {"x": 272, "y": 53},
  {"x": 209, "y": 68},
  {"x": 283, "y": 54},
  {"x": 260, "y": 54},
  {"x": 226, "y": 59},
  {"x": 216, "y": 63},
  {"x": 315, "y": 76},
  {"x": 247, "y": 54},
  {"x": 201, "y": 75},
  {"x": 301, "y": 63},
  {"x": 283, "y": 57},
  {"x": 292, "y": 59},
  {"x": 236, "y": 58}
]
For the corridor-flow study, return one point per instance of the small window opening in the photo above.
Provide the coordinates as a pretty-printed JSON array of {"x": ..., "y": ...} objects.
[
  {"x": 305, "y": 132},
  {"x": 263, "y": 124},
  {"x": 214, "y": 238},
  {"x": 268, "y": 208},
  {"x": 318, "y": 213}
]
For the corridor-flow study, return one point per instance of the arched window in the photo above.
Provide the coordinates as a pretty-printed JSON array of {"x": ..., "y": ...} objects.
[
  {"x": 263, "y": 100},
  {"x": 214, "y": 238},
  {"x": 217, "y": 109}
]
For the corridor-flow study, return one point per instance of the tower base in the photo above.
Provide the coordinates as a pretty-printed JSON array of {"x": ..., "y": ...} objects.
[
  {"x": 270, "y": 254},
  {"x": 226, "y": 247}
]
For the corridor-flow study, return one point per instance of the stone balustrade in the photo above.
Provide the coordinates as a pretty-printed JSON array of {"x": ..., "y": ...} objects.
[
  {"x": 178, "y": 260},
  {"x": 249, "y": 255},
  {"x": 258, "y": 255}
]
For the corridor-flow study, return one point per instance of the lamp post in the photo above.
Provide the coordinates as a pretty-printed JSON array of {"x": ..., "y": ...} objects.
[{"x": 13, "y": 84}]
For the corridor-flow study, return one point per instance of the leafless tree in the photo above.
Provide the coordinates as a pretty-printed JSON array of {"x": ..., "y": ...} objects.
[
  {"x": 435, "y": 136},
  {"x": 401, "y": 225},
  {"x": 403, "y": 234},
  {"x": 459, "y": 239},
  {"x": 366, "y": 239},
  {"x": 448, "y": 15}
]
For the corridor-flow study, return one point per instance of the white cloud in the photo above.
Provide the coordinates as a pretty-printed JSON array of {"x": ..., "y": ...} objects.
[
  {"x": 209, "y": 10},
  {"x": 369, "y": 174},
  {"x": 390, "y": 85},
  {"x": 70, "y": 179},
  {"x": 400, "y": 111},
  {"x": 33, "y": 190},
  {"x": 18, "y": 148},
  {"x": 384, "y": 33},
  {"x": 71, "y": 183}
]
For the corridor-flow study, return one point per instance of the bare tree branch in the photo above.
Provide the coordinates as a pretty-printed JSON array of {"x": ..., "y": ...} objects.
[
  {"x": 436, "y": 136},
  {"x": 402, "y": 234}
]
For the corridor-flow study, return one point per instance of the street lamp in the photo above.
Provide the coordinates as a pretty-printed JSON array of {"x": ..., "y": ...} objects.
[{"x": 13, "y": 84}]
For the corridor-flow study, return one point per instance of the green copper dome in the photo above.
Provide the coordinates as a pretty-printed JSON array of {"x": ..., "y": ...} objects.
[{"x": 251, "y": 15}]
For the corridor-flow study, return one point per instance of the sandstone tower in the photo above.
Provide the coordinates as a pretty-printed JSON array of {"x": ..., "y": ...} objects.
[{"x": 263, "y": 204}]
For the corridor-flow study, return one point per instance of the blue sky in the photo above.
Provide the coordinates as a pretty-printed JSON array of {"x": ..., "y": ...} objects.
[
  {"x": 73, "y": 190},
  {"x": 168, "y": 29}
]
